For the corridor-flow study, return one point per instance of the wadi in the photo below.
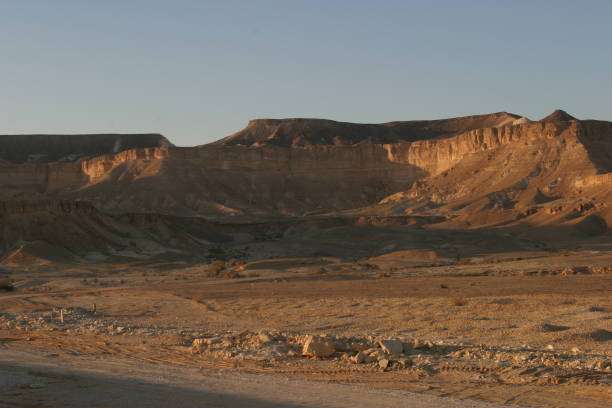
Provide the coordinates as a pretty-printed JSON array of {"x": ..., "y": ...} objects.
[{"x": 468, "y": 260}]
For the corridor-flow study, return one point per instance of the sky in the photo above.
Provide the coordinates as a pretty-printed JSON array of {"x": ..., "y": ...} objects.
[{"x": 197, "y": 70}]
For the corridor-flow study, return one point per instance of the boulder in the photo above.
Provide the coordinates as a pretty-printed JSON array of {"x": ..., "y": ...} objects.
[
  {"x": 359, "y": 358},
  {"x": 392, "y": 346},
  {"x": 316, "y": 346},
  {"x": 198, "y": 345},
  {"x": 265, "y": 336},
  {"x": 358, "y": 346}
]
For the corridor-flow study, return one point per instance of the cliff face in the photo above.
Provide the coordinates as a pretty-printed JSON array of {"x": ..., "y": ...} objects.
[
  {"x": 229, "y": 180},
  {"x": 514, "y": 170},
  {"x": 546, "y": 173},
  {"x": 318, "y": 132},
  {"x": 52, "y": 148}
]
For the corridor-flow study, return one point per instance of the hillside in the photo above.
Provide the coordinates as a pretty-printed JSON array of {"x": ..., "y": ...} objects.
[
  {"x": 36, "y": 233},
  {"x": 477, "y": 171}
]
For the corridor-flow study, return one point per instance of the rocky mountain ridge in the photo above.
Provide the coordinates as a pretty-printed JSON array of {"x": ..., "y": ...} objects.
[
  {"x": 306, "y": 133},
  {"x": 48, "y": 148},
  {"x": 511, "y": 173}
]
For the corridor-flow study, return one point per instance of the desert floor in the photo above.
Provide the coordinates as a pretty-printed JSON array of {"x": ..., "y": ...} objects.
[{"x": 525, "y": 329}]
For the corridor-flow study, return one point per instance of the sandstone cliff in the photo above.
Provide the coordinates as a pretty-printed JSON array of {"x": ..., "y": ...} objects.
[
  {"x": 52, "y": 148},
  {"x": 476, "y": 171}
]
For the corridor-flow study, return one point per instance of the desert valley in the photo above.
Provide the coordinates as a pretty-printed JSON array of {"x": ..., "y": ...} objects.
[{"x": 468, "y": 259}]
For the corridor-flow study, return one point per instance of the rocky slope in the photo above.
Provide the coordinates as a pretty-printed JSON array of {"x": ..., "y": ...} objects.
[
  {"x": 488, "y": 170},
  {"x": 36, "y": 233},
  {"x": 52, "y": 148}
]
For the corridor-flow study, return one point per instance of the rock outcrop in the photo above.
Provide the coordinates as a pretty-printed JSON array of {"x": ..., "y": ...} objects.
[
  {"x": 558, "y": 116},
  {"x": 53, "y": 148},
  {"x": 476, "y": 171},
  {"x": 319, "y": 132}
]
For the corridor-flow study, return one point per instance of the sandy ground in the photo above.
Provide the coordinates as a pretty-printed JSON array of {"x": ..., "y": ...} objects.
[
  {"x": 532, "y": 332},
  {"x": 30, "y": 379}
]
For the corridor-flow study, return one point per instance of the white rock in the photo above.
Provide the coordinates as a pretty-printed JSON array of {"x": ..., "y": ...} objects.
[{"x": 318, "y": 347}]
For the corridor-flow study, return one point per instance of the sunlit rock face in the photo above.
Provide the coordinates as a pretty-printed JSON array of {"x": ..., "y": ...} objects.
[{"x": 477, "y": 170}]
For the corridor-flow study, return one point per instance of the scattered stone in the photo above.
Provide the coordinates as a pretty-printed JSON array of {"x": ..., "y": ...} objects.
[
  {"x": 316, "y": 346},
  {"x": 383, "y": 363},
  {"x": 265, "y": 336},
  {"x": 392, "y": 346},
  {"x": 198, "y": 345},
  {"x": 418, "y": 344},
  {"x": 359, "y": 358},
  {"x": 279, "y": 348}
]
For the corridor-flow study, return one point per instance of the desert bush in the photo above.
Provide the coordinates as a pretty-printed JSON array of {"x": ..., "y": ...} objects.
[{"x": 443, "y": 286}]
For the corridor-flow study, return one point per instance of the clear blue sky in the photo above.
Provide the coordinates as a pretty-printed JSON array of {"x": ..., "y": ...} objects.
[{"x": 198, "y": 70}]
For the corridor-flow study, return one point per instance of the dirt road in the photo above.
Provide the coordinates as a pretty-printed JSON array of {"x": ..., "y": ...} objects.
[{"x": 30, "y": 379}]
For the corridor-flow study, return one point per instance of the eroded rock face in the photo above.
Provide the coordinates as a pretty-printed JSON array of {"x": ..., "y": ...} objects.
[
  {"x": 477, "y": 168},
  {"x": 52, "y": 148},
  {"x": 301, "y": 132}
]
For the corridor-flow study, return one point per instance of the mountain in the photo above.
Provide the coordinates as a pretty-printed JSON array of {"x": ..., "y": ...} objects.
[
  {"x": 319, "y": 132},
  {"x": 500, "y": 170},
  {"x": 558, "y": 115}
]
